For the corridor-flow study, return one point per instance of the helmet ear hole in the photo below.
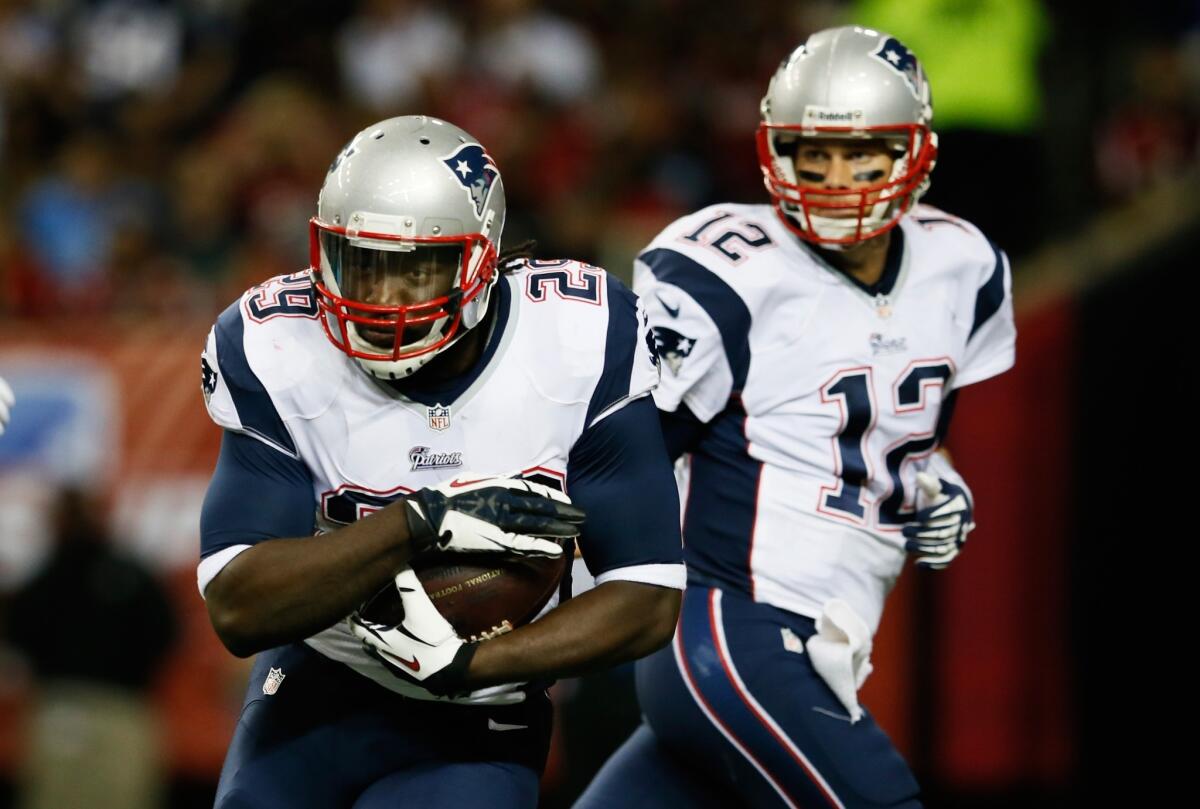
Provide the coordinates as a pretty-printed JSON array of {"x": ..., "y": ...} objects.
[{"x": 787, "y": 147}]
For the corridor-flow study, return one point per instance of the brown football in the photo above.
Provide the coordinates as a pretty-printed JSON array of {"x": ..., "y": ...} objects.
[{"x": 481, "y": 595}]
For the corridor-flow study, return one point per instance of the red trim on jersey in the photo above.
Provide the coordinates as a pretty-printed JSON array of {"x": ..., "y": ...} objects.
[
  {"x": 576, "y": 274},
  {"x": 361, "y": 511},
  {"x": 923, "y": 363},
  {"x": 290, "y": 287},
  {"x": 908, "y": 459},
  {"x": 898, "y": 409},
  {"x": 554, "y": 473},
  {"x": 836, "y": 489}
]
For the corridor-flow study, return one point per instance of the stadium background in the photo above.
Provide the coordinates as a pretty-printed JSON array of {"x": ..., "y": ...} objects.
[{"x": 158, "y": 157}]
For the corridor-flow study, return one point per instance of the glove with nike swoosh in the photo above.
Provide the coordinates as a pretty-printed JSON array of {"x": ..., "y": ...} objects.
[
  {"x": 943, "y": 519},
  {"x": 423, "y": 648},
  {"x": 491, "y": 513}
]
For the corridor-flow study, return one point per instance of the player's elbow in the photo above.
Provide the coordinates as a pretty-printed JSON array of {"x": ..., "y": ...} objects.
[
  {"x": 659, "y": 618},
  {"x": 232, "y": 628},
  {"x": 233, "y": 617}
]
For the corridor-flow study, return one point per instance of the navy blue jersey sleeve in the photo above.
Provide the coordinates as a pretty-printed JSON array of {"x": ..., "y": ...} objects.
[
  {"x": 256, "y": 493},
  {"x": 619, "y": 473},
  {"x": 716, "y": 298},
  {"x": 630, "y": 360}
]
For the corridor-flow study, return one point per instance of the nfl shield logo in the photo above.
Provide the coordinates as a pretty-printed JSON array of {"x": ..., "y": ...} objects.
[
  {"x": 273, "y": 681},
  {"x": 439, "y": 417}
]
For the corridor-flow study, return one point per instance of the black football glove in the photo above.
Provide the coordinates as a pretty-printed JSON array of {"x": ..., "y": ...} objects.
[{"x": 491, "y": 513}]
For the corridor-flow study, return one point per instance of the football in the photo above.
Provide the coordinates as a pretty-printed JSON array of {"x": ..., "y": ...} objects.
[{"x": 481, "y": 595}]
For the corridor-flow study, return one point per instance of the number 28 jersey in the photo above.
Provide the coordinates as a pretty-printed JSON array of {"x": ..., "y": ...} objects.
[{"x": 821, "y": 396}]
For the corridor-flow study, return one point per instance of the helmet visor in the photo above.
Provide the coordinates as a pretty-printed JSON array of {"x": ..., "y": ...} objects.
[
  {"x": 393, "y": 292},
  {"x": 404, "y": 274}
]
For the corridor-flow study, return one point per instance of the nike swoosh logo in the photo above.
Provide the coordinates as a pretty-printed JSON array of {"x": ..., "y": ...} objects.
[
  {"x": 411, "y": 665},
  {"x": 833, "y": 715},
  {"x": 673, "y": 311},
  {"x": 494, "y": 725},
  {"x": 458, "y": 484}
]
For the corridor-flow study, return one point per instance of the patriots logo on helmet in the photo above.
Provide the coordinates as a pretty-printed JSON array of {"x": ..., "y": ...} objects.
[
  {"x": 673, "y": 347},
  {"x": 475, "y": 171},
  {"x": 346, "y": 152},
  {"x": 895, "y": 55}
]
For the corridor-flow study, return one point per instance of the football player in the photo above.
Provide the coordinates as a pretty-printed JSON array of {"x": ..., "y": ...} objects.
[
  {"x": 355, "y": 396},
  {"x": 811, "y": 350}
]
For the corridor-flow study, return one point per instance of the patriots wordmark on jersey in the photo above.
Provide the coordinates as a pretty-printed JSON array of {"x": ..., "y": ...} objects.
[
  {"x": 568, "y": 350},
  {"x": 824, "y": 396}
]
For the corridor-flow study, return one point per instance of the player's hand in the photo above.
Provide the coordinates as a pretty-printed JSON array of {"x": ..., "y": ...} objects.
[
  {"x": 6, "y": 403},
  {"x": 423, "y": 648},
  {"x": 942, "y": 521},
  {"x": 492, "y": 513}
]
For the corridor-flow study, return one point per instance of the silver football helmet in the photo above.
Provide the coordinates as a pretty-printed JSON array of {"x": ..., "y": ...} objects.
[
  {"x": 404, "y": 245},
  {"x": 847, "y": 82}
]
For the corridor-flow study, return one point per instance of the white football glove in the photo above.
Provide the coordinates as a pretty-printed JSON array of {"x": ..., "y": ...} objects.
[
  {"x": 6, "y": 403},
  {"x": 423, "y": 648},
  {"x": 491, "y": 513},
  {"x": 943, "y": 518}
]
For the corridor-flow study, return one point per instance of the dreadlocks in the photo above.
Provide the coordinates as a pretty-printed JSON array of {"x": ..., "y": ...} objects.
[{"x": 516, "y": 254}]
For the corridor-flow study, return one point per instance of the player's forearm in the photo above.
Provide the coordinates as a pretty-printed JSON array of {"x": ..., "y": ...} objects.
[
  {"x": 284, "y": 590},
  {"x": 616, "y": 622}
]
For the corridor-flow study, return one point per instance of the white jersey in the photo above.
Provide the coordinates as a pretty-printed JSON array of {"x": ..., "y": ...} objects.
[
  {"x": 568, "y": 348},
  {"x": 822, "y": 396}
]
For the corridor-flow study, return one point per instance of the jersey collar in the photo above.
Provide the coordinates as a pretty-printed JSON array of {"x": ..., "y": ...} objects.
[
  {"x": 891, "y": 267},
  {"x": 448, "y": 391}
]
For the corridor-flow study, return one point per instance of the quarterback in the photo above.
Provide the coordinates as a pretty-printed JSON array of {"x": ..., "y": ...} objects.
[
  {"x": 412, "y": 391},
  {"x": 811, "y": 351}
]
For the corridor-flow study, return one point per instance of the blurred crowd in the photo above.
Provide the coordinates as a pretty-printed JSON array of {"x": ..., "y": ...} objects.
[{"x": 157, "y": 157}]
